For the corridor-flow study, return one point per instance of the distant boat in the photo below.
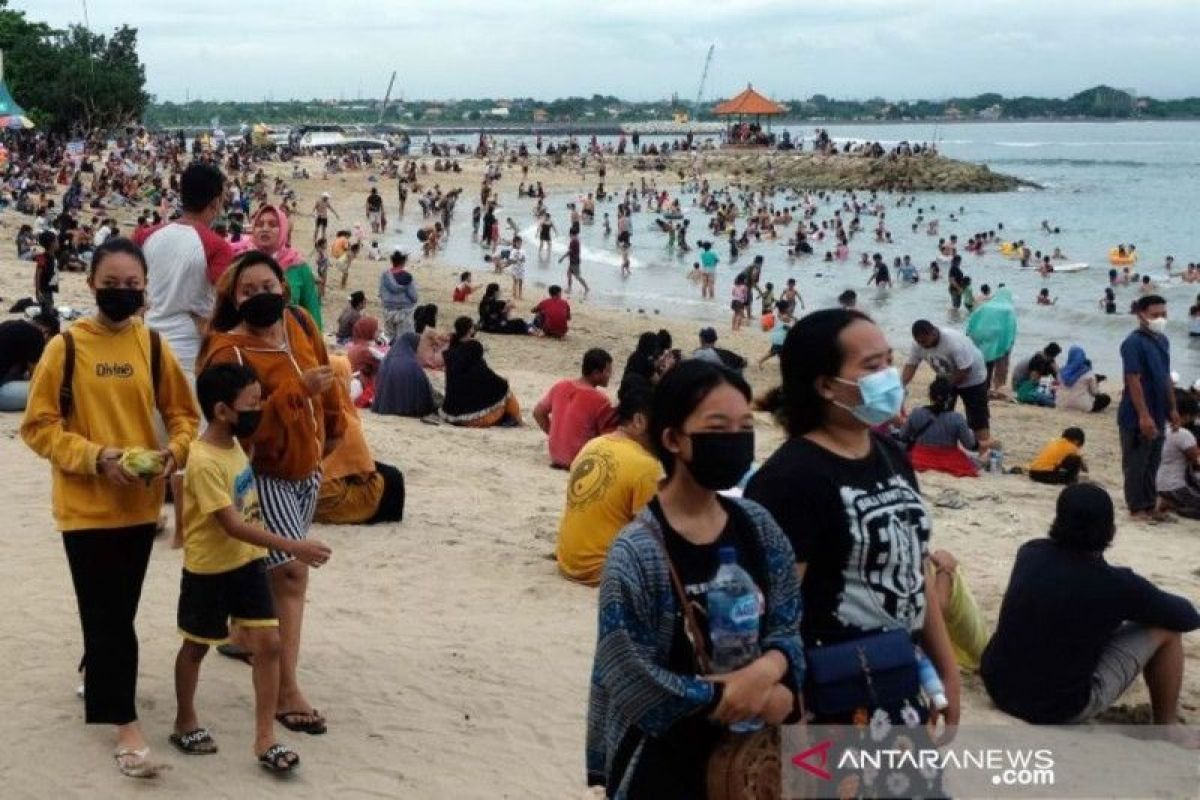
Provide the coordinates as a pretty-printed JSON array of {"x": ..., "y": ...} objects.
[{"x": 330, "y": 137}]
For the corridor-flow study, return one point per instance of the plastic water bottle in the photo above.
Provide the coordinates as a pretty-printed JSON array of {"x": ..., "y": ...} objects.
[
  {"x": 996, "y": 461},
  {"x": 931, "y": 683},
  {"x": 733, "y": 613}
]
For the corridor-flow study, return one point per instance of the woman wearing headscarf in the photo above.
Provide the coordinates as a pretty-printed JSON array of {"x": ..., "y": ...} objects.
[
  {"x": 271, "y": 234},
  {"x": 476, "y": 397},
  {"x": 1079, "y": 386},
  {"x": 993, "y": 328},
  {"x": 401, "y": 386}
]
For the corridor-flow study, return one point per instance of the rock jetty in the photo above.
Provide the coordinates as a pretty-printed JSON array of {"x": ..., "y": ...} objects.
[{"x": 811, "y": 171}]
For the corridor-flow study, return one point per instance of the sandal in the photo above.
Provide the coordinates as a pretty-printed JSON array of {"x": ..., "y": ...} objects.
[
  {"x": 279, "y": 759},
  {"x": 198, "y": 742},
  {"x": 311, "y": 722},
  {"x": 137, "y": 763},
  {"x": 236, "y": 653}
]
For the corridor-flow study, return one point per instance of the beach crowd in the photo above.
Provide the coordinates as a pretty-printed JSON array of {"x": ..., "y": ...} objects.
[{"x": 218, "y": 376}]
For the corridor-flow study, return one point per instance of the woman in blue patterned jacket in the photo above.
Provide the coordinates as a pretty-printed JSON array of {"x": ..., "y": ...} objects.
[{"x": 653, "y": 719}]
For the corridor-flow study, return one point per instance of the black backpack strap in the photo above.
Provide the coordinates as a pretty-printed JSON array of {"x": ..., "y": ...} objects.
[
  {"x": 155, "y": 360},
  {"x": 65, "y": 391}
]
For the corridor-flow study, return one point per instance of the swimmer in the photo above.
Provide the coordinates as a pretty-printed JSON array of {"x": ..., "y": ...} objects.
[
  {"x": 1043, "y": 298},
  {"x": 1058, "y": 255},
  {"x": 1108, "y": 303}
]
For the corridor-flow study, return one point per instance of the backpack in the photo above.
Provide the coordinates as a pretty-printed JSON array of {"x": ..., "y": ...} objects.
[{"x": 66, "y": 394}]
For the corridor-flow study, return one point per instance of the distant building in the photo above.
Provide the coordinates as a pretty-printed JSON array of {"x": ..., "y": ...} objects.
[
  {"x": 991, "y": 113},
  {"x": 434, "y": 112},
  {"x": 540, "y": 115},
  {"x": 499, "y": 112}
]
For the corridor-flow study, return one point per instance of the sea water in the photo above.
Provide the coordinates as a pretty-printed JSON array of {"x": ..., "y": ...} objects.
[{"x": 1103, "y": 184}]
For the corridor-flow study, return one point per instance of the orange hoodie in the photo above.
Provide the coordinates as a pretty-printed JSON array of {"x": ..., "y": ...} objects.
[
  {"x": 291, "y": 437},
  {"x": 113, "y": 406}
]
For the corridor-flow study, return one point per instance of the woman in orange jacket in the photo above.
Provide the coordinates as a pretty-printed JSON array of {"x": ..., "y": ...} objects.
[
  {"x": 92, "y": 398},
  {"x": 302, "y": 420}
]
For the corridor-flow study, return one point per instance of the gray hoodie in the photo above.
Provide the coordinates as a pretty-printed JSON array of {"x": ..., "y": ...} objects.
[{"x": 397, "y": 290}]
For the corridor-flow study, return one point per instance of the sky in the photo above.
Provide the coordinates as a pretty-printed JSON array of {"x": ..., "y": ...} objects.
[{"x": 649, "y": 49}]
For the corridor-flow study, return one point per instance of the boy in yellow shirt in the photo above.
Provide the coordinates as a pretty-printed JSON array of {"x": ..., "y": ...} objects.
[
  {"x": 1060, "y": 462},
  {"x": 224, "y": 567}
]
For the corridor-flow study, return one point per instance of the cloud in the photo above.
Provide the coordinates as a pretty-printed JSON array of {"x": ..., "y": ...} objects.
[{"x": 647, "y": 49}]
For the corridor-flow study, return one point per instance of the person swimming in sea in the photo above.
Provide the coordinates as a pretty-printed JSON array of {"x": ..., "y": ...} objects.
[
  {"x": 1109, "y": 301},
  {"x": 1044, "y": 299}
]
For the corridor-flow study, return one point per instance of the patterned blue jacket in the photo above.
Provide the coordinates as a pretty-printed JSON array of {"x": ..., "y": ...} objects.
[{"x": 638, "y": 613}]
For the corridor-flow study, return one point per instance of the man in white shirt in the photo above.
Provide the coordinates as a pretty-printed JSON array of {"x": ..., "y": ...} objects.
[
  {"x": 186, "y": 258},
  {"x": 954, "y": 357}
]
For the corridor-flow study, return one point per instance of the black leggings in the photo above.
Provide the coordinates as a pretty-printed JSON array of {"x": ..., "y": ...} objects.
[
  {"x": 107, "y": 568},
  {"x": 1064, "y": 474}
]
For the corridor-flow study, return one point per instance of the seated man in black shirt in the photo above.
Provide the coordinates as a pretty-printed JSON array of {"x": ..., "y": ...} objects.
[{"x": 1075, "y": 632}]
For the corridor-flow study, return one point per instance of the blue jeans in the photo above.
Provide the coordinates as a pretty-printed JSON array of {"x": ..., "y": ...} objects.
[{"x": 14, "y": 395}]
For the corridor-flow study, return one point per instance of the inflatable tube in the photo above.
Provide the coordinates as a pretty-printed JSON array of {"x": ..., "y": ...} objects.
[{"x": 1118, "y": 260}]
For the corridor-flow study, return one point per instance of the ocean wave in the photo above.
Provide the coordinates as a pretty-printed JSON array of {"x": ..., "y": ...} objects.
[{"x": 1081, "y": 162}]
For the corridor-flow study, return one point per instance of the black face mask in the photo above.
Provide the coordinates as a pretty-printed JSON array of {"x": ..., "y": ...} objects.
[
  {"x": 247, "y": 423},
  {"x": 119, "y": 304},
  {"x": 262, "y": 310},
  {"x": 720, "y": 460}
]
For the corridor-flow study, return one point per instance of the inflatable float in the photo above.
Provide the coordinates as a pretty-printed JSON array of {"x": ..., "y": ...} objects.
[
  {"x": 1116, "y": 259},
  {"x": 1078, "y": 266}
]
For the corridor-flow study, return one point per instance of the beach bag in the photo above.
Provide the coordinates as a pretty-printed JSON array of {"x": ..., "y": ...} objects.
[
  {"x": 743, "y": 766},
  {"x": 876, "y": 671}
]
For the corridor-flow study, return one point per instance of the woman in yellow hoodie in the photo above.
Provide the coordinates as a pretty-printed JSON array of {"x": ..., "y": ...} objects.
[{"x": 108, "y": 516}]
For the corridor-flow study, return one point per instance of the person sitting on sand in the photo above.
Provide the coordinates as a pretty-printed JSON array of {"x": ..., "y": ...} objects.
[
  {"x": 432, "y": 348},
  {"x": 1178, "y": 479},
  {"x": 355, "y": 488},
  {"x": 1040, "y": 363},
  {"x": 1075, "y": 632},
  {"x": 401, "y": 385},
  {"x": 938, "y": 435},
  {"x": 1079, "y": 385},
  {"x": 476, "y": 397},
  {"x": 1037, "y": 390},
  {"x": 708, "y": 351},
  {"x": 650, "y": 681},
  {"x": 1060, "y": 461},
  {"x": 22, "y": 342},
  {"x": 462, "y": 292},
  {"x": 350, "y": 315},
  {"x": 225, "y": 564},
  {"x": 494, "y": 313},
  {"x": 552, "y": 315},
  {"x": 573, "y": 412},
  {"x": 612, "y": 479}
]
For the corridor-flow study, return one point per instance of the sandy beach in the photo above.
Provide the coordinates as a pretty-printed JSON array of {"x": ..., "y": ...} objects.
[{"x": 448, "y": 655}]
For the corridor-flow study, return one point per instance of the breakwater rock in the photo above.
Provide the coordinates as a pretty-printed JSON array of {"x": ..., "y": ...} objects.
[{"x": 812, "y": 171}]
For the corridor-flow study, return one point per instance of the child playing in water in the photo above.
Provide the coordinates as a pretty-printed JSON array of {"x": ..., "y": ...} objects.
[
  {"x": 1109, "y": 301},
  {"x": 783, "y": 324},
  {"x": 1043, "y": 298},
  {"x": 741, "y": 296},
  {"x": 767, "y": 295}
]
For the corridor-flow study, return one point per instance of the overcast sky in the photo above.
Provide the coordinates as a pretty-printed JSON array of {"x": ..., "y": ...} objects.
[{"x": 647, "y": 49}]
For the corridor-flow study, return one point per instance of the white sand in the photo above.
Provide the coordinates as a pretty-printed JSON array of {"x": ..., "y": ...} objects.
[{"x": 448, "y": 656}]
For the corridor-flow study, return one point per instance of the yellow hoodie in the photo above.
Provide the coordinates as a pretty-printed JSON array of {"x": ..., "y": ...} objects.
[{"x": 113, "y": 406}]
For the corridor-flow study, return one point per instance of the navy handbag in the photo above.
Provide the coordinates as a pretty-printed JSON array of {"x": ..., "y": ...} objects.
[{"x": 876, "y": 671}]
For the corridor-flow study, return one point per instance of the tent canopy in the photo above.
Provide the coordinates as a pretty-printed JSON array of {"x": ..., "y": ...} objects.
[
  {"x": 11, "y": 114},
  {"x": 749, "y": 104}
]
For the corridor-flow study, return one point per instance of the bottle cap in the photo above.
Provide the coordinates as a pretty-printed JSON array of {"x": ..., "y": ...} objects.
[{"x": 728, "y": 555}]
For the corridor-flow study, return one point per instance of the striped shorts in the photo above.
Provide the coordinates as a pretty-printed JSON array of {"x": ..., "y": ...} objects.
[{"x": 287, "y": 508}]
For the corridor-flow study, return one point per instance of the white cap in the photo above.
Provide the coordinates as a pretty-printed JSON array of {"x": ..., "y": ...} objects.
[
  {"x": 325, "y": 195},
  {"x": 1174, "y": 378}
]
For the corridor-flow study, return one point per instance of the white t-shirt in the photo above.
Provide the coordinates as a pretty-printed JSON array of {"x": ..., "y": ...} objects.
[
  {"x": 184, "y": 262},
  {"x": 953, "y": 352},
  {"x": 1174, "y": 465}
]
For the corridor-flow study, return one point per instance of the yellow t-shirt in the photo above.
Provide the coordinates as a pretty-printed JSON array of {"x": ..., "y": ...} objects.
[
  {"x": 217, "y": 478},
  {"x": 1053, "y": 454},
  {"x": 612, "y": 479}
]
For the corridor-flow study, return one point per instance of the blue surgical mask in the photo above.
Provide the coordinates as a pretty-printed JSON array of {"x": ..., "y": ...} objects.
[{"x": 882, "y": 396}]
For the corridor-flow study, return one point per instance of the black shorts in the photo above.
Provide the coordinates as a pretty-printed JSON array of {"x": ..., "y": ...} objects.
[
  {"x": 322, "y": 222},
  {"x": 975, "y": 404},
  {"x": 207, "y": 603}
]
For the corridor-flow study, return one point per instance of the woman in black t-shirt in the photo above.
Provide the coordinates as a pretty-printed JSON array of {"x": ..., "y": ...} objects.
[{"x": 849, "y": 503}]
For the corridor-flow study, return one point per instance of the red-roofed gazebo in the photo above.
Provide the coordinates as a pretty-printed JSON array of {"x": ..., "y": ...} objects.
[{"x": 755, "y": 106}]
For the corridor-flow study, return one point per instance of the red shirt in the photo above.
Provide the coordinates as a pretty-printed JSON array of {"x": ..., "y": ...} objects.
[
  {"x": 461, "y": 293},
  {"x": 556, "y": 314},
  {"x": 579, "y": 412}
]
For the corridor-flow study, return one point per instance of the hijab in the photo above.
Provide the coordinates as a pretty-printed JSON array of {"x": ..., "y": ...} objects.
[
  {"x": 359, "y": 352},
  {"x": 1076, "y": 367},
  {"x": 285, "y": 254}
]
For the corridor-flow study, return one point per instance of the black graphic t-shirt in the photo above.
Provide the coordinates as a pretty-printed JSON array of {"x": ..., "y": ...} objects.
[{"x": 862, "y": 529}]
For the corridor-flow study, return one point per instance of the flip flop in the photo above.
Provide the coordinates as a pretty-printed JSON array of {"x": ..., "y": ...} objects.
[
  {"x": 198, "y": 742},
  {"x": 136, "y": 763},
  {"x": 279, "y": 759},
  {"x": 236, "y": 653},
  {"x": 313, "y": 723}
]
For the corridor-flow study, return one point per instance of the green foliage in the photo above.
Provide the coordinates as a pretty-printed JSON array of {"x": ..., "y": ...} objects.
[{"x": 74, "y": 80}]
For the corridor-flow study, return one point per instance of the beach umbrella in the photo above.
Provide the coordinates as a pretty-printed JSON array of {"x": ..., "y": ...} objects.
[
  {"x": 12, "y": 116},
  {"x": 15, "y": 122}
]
